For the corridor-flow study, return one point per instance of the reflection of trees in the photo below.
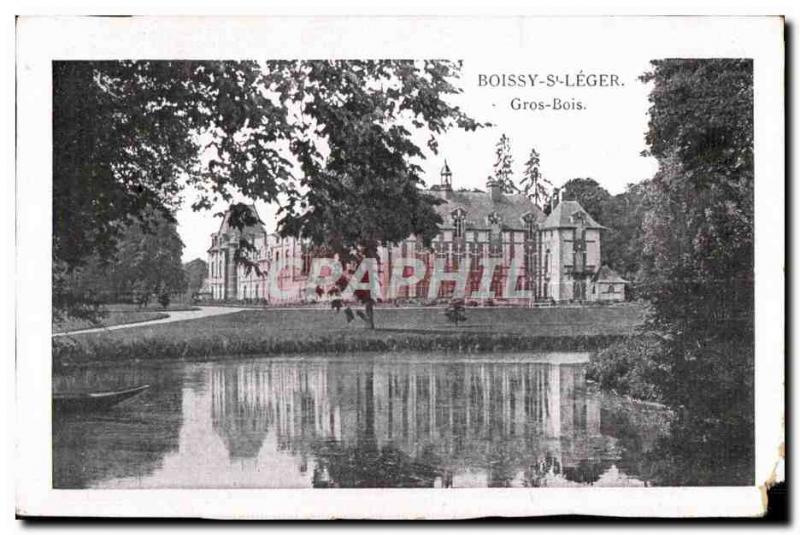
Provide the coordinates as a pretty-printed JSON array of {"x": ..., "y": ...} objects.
[
  {"x": 536, "y": 473},
  {"x": 587, "y": 471},
  {"x": 369, "y": 467},
  {"x": 699, "y": 452},
  {"x": 131, "y": 439},
  {"x": 683, "y": 450}
]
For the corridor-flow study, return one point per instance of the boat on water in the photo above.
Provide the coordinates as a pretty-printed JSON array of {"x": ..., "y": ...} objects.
[{"x": 93, "y": 401}]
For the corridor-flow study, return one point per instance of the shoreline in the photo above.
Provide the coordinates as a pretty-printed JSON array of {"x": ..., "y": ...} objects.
[{"x": 102, "y": 349}]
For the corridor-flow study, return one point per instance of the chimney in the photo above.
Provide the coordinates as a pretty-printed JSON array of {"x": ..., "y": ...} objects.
[
  {"x": 495, "y": 189},
  {"x": 555, "y": 199}
]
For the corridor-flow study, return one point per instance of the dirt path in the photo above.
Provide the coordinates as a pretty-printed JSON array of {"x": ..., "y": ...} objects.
[{"x": 178, "y": 315}]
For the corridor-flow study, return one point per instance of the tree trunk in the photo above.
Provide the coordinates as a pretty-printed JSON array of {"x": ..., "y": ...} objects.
[{"x": 369, "y": 310}]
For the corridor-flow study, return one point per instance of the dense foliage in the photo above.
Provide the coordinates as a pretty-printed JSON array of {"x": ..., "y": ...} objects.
[
  {"x": 696, "y": 266},
  {"x": 622, "y": 214},
  {"x": 195, "y": 273},
  {"x": 629, "y": 367},
  {"x": 698, "y": 246},
  {"x": 334, "y": 139},
  {"x": 147, "y": 265}
]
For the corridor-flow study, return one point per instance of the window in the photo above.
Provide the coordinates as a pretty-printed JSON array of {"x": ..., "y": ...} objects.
[
  {"x": 530, "y": 226},
  {"x": 459, "y": 223}
]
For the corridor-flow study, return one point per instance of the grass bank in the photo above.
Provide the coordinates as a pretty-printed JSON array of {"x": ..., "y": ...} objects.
[
  {"x": 120, "y": 314},
  {"x": 265, "y": 332},
  {"x": 110, "y": 319}
]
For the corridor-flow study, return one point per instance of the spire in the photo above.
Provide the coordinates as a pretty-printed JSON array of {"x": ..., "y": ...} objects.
[{"x": 447, "y": 177}]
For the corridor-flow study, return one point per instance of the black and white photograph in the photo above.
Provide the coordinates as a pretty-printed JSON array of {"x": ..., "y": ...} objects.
[{"x": 429, "y": 271}]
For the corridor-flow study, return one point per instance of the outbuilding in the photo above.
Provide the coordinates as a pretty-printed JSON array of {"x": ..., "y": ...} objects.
[{"x": 607, "y": 285}]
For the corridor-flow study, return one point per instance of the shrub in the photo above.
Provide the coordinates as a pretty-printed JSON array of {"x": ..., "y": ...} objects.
[
  {"x": 629, "y": 367},
  {"x": 455, "y": 311}
]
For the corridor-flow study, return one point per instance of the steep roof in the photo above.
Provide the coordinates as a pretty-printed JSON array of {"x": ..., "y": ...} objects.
[
  {"x": 478, "y": 205},
  {"x": 226, "y": 232},
  {"x": 606, "y": 274},
  {"x": 562, "y": 216},
  {"x": 258, "y": 228}
]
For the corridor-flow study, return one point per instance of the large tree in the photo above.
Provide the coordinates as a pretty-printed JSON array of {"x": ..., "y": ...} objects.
[
  {"x": 195, "y": 273},
  {"x": 699, "y": 229},
  {"x": 589, "y": 193},
  {"x": 623, "y": 242},
  {"x": 533, "y": 184},
  {"x": 622, "y": 215},
  {"x": 503, "y": 168},
  {"x": 698, "y": 244},
  {"x": 335, "y": 137},
  {"x": 146, "y": 264}
]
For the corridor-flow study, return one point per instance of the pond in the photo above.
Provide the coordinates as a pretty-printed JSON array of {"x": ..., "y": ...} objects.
[{"x": 396, "y": 420}]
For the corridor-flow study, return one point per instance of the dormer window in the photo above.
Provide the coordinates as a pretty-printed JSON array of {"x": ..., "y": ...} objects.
[
  {"x": 579, "y": 217},
  {"x": 459, "y": 222}
]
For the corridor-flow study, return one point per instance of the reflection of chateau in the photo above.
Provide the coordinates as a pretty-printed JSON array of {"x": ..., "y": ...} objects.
[
  {"x": 505, "y": 419},
  {"x": 557, "y": 256}
]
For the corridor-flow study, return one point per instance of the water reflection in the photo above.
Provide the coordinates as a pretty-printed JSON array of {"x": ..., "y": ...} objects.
[
  {"x": 92, "y": 447},
  {"x": 366, "y": 421}
]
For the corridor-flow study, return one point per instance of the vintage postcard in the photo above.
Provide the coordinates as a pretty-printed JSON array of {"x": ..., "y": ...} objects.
[{"x": 351, "y": 267}]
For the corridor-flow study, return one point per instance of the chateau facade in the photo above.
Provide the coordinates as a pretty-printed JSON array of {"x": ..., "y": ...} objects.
[{"x": 555, "y": 257}]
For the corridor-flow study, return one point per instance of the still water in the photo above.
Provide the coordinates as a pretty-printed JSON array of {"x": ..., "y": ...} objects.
[{"x": 360, "y": 421}]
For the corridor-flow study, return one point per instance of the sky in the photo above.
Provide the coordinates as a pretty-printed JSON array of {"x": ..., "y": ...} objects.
[{"x": 603, "y": 141}]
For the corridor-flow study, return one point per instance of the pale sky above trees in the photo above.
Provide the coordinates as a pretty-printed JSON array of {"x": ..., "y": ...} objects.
[{"x": 603, "y": 141}]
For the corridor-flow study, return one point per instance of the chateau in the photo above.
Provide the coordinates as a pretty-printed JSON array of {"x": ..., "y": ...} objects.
[{"x": 557, "y": 255}]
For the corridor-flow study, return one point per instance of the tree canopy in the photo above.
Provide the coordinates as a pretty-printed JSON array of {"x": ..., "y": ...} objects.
[
  {"x": 622, "y": 214},
  {"x": 699, "y": 228},
  {"x": 503, "y": 167},
  {"x": 333, "y": 140},
  {"x": 697, "y": 259},
  {"x": 195, "y": 273},
  {"x": 533, "y": 184},
  {"x": 146, "y": 264},
  {"x": 593, "y": 197}
]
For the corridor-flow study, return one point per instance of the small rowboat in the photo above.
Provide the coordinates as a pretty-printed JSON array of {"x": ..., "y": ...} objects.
[{"x": 93, "y": 401}]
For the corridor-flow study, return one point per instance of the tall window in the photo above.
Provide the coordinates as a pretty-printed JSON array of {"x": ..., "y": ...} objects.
[
  {"x": 459, "y": 223},
  {"x": 530, "y": 226}
]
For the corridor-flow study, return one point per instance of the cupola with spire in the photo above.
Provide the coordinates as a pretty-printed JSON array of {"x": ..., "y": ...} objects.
[{"x": 446, "y": 178}]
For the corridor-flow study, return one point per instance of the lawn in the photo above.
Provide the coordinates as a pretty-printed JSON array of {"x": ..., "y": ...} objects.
[
  {"x": 120, "y": 314},
  {"x": 292, "y": 331}
]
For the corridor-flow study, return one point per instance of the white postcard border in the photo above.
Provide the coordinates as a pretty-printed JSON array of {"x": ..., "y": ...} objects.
[{"x": 41, "y": 40}]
